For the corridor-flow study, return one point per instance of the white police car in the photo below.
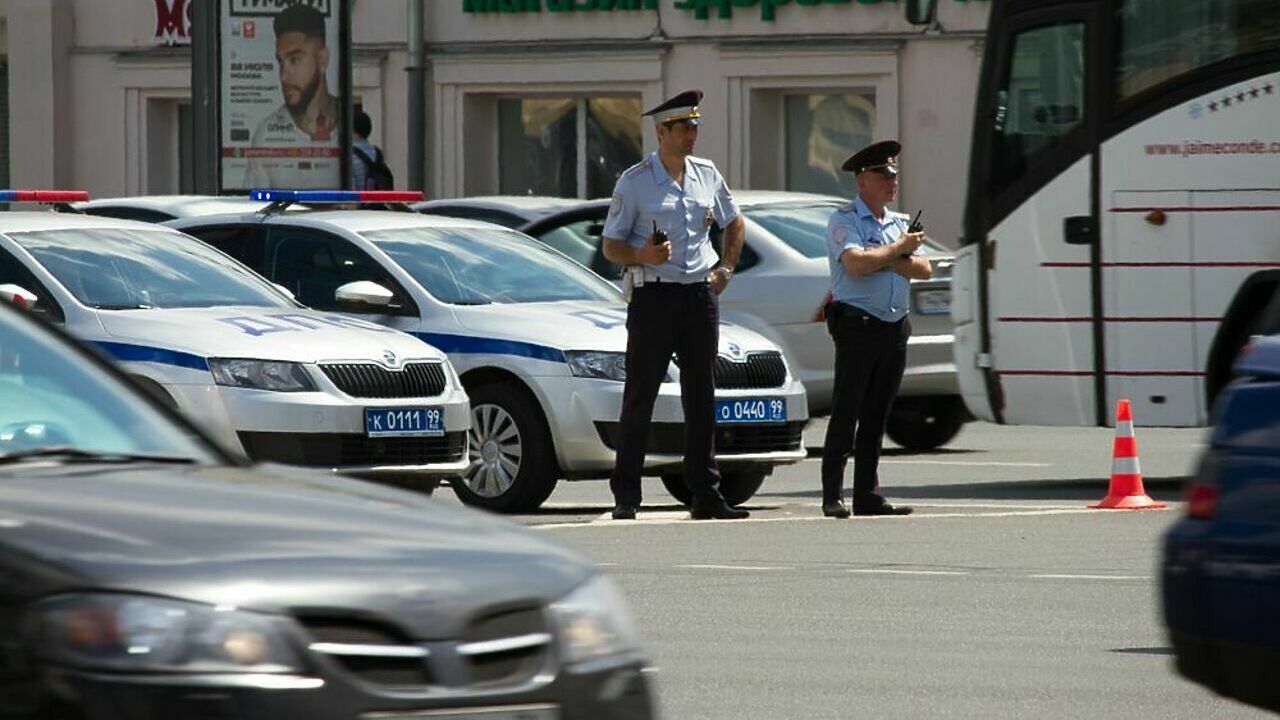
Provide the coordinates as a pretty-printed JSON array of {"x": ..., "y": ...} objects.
[
  {"x": 259, "y": 372},
  {"x": 539, "y": 340}
]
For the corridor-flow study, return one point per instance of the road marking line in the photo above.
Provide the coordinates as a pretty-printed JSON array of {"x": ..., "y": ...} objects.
[
  {"x": 1090, "y": 577},
  {"x": 734, "y": 567},
  {"x": 956, "y": 463},
  {"x": 675, "y": 518},
  {"x": 886, "y": 571}
]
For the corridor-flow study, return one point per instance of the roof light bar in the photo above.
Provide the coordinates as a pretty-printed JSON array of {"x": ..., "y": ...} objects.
[
  {"x": 44, "y": 196},
  {"x": 313, "y": 197}
]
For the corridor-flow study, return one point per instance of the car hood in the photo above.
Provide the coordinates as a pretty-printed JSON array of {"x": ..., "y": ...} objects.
[
  {"x": 277, "y": 539},
  {"x": 577, "y": 325},
  {"x": 296, "y": 335}
]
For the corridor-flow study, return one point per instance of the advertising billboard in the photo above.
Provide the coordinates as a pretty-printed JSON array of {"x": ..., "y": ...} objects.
[{"x": 281, "y": 94}]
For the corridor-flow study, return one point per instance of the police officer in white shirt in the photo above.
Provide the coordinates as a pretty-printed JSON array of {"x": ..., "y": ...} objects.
[
  {"x": 873, "y": 254},
  {"x": 658, "y": 226}
]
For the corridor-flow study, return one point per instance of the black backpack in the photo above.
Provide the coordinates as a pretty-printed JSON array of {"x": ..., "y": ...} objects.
[{"x": 377, "y": 175}]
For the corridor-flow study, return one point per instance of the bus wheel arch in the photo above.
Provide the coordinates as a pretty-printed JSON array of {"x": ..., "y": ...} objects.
[{"x": 1255, "y": 308}]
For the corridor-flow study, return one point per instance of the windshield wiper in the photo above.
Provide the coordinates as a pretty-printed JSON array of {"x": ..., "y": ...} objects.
[
  {"x": 136, "y": 306},
  {"x": 69, "y": 455}
]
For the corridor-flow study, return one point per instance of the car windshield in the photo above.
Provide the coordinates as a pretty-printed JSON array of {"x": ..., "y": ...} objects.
[
  {"x": 803, "y": 226},
  {"x": 117, "y": 269},
  {"x": 54, "y": 398},
  {"x": 478, "y": 266}
]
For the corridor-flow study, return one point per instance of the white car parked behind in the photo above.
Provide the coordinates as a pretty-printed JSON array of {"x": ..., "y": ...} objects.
[
  {"x": 264, "y": 375},
  {"x": 780, "y": 288}
]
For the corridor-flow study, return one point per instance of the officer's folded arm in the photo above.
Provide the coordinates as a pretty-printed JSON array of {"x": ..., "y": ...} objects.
[
  {"x": 913, "y": 267},
  {"x": 863, "y": 261}
]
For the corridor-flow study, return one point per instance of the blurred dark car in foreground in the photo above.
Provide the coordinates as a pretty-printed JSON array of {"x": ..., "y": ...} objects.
[
  {"x": 1221, "y": 567},
  {"x": 147, "y": 574}
]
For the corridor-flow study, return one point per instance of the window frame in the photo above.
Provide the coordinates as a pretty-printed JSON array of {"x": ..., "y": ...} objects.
[{"x": 408, "y": 306}]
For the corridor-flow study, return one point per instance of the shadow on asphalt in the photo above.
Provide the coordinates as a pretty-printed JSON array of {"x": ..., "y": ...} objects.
[
  {"x": 1143, "y": 651},
  {"x": 814, "y": 451},
  {"x": 1083, "y": 489}
]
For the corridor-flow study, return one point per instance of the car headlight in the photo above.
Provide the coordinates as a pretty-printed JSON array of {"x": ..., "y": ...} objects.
[
  {"x": 607, "y": 365},
  {"x": 261, "y": 375},
  {"x": 139, "y": 633},
  {"x": 594, "y": 621}
]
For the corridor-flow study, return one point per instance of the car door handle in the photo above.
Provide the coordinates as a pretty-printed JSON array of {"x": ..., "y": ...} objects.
[{"x": 1080, "y": 230}]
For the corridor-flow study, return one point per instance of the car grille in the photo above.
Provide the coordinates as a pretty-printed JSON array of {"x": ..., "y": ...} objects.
[
  {"x": 374, "y": 653},
  {"x": 366, "y": 380},
  {"x": 506, "y": 648},
  {"x": 349, "y": 449},
  {"x": 498, "y": 650},
  {"x": 759, "y": 370},
  {"x": 668, "y": 438}
]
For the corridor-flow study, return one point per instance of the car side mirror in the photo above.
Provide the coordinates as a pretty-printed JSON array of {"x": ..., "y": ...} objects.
[
  {"x": 363, "y": 294},
  {"x": 286, "y": 290},
  {"x": 18, "y": 295}
]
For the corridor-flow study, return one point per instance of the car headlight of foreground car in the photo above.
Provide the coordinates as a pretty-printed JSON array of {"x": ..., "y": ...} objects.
[
  {"x": 607, "y": 365},
  {"x": 261, "y": 375},
  {"x": 137, "y": 633},
  {"x": 594, "y": 621}
]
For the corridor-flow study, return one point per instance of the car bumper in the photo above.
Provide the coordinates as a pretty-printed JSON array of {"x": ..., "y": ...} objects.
[
  {"x": 618, "y": 691},
  {"x": 322, "y": 430},
  {"x": 583, "y": 411}
]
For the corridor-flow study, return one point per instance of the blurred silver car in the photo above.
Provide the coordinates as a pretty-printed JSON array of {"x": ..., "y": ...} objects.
[{"x": 779, "y": 289}]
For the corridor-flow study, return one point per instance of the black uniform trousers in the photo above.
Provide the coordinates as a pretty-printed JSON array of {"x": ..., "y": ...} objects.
[
  {"x": 871, "y": 355},
  {"x": 663, "y": 318}
]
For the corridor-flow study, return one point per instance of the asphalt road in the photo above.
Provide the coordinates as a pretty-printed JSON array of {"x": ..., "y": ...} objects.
[{"x": 1002, "y": 597}]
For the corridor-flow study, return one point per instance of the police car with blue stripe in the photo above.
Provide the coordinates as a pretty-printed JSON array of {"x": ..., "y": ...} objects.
[
  {"x": 538, "y": 339},
  {"x": 258, "y": 371}
]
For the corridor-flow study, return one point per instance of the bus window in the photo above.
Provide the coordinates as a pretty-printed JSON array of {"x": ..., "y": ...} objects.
[
  {"x": 1159, "y": 40},
  {"x": 1042, "y": 98}
]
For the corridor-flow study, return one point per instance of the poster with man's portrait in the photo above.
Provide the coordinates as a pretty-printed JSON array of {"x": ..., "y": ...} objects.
[{"x": 281, "y": 94}]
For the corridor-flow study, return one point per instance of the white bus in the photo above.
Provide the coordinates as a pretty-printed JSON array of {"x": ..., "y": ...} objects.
[{"x": 1122, "y": 223}]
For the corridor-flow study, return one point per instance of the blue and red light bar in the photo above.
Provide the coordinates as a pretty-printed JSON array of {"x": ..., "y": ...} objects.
[
  {"x": 44, "y": 196},
  {"x": 313, "y": 197}
]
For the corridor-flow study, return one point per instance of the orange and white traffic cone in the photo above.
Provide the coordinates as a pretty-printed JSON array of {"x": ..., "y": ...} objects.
[{"x": 1126, "y": 492}]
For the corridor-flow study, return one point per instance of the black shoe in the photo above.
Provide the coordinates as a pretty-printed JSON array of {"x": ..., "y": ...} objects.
[
  {"x": 835, "y": 510},
  {"x": 720, "y": 511},
  {"x": 882, "y": 508},
  {"x": 624, "y": 512}
]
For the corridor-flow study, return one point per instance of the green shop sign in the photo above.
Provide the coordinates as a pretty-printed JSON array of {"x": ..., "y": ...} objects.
[
  {"x": 533, "y": 6},
  {"x": 768, "y": 8},
  {"x": 701, "y": 9}
]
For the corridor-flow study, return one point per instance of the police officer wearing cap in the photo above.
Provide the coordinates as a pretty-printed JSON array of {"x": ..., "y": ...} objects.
[
  {"x": 873, "y": 258},
  {"x": 658, "y": 227}
]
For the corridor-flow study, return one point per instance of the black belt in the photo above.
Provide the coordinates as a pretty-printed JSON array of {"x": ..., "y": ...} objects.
[{"x": 842, "y": 310}]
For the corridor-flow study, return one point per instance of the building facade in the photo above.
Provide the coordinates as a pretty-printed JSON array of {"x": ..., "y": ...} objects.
[{"x": 528, "y": 96}]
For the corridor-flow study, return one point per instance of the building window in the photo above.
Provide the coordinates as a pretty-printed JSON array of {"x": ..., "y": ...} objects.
[
  {"x": 566, "y": 147},
  {"x": 821, "y": 131}
]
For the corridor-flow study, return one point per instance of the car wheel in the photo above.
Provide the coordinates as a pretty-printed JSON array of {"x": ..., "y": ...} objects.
[
  {"x": 919, "y": 424},
  {"x": 513, "y": 465},
  {"x": 737, "y": 486}
]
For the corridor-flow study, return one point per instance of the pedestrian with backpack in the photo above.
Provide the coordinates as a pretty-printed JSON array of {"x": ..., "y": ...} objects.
[{"x": 369, "y": 171}]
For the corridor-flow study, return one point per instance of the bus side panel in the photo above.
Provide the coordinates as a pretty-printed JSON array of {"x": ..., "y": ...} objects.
[
  {"x": 1211, "y": 167},
  {"x": 1146, "y": 308},
  {"x": 1040, "y": 307},
  {"x": 967, "y": 346}
]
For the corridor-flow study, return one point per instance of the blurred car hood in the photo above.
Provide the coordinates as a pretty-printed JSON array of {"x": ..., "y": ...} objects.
[{"x": 274, "y": 539}]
